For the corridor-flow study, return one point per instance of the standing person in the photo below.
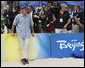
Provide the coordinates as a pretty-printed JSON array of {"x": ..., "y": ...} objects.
[
  {"x": 53, "y": 9},
  {"x": 42, "y": 17},
  {"x": 23, "y": 22},
  {"x": 56, "y": 7},
  {"x": 62, "y": 20},
  {"x": 8, "y": 13},
  {"x": 75, "y": 25},
  {"x": 2, "y": 21},
  {"x": 80, "y": 21},
  {"x": 30, "y": 11},
  {"x": 75, "y": 8},
  {"x": 35, "y": 20},
  {"x": 69, "y": 28},
  {"x": 49, "y": 18}
]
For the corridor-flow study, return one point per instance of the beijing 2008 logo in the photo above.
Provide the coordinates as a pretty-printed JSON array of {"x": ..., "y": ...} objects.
[{"x": 72, "y": 45}]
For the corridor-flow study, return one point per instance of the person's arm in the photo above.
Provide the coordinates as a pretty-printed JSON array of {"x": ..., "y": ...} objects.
[
  {"x": 44, "y": 15},
  {"x": 14, "y": 24},
  {"x": 32, "y": 26},
  {"x": 69, "y": 21},
  {"x": 75, "y": 18},
  {"x": 54, "y": 19},
  {"x": 81, "y": 25},
  {"x": 2, "y": 30},
  {"x": 78, "y": 22},
  {"x": 32, "y": 29}
]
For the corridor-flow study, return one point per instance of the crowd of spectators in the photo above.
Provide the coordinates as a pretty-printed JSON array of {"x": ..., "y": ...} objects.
[{"x": 57, "y": 18}]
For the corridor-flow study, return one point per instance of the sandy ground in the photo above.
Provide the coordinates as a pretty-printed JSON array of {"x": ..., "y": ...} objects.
[{"x": 51, "y": 62}]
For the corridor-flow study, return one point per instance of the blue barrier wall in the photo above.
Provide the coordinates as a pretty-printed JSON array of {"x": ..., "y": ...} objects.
[
  {"x": 64, "y": 45},
  {"x": 43, "y": 45},
  {"x": 39, "y": 47}
]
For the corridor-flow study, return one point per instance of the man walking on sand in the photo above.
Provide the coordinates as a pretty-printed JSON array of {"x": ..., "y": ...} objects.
[{"x": 23, "y": 22}]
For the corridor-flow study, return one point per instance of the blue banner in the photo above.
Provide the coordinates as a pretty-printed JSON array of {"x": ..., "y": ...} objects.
[
  {"x": 81, "y": 3},
  {"x": 64, "y": 45},
  {"x": 43, "y": 45}
]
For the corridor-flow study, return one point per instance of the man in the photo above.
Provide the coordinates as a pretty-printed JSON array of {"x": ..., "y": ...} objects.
[
  {"x": 8, "y": 14},
  {"x": 42, "y": 17},
  {"x": 2, "y": 21},
  {"x": 56, "y": 7},
  {"x": 62, "y": 20},
  {"x": 49, "y": 18},
  {"x": 23, "y": 22},
  {"x": 30, "y": 11},
  {"x": 35, "y": 19},
  {"x": 75, "y": 8},
  {"x": 69, "y": 28},
  {"x": 80, "y": 21},
  {"x": 76, "y": 15}
]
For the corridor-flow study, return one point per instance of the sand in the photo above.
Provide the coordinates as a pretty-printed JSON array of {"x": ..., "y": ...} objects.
[{"x": 50, "y": 62}]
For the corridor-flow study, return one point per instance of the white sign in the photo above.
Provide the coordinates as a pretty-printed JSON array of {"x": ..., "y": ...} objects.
[{"x": 72, "y": 45}]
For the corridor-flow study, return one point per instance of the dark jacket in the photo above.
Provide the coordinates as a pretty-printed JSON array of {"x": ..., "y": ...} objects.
[{"x": 8, "y": 18}]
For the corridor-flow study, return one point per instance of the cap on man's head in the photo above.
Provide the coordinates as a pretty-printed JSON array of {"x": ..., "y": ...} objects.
[{"x": 24, "y": 8}]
